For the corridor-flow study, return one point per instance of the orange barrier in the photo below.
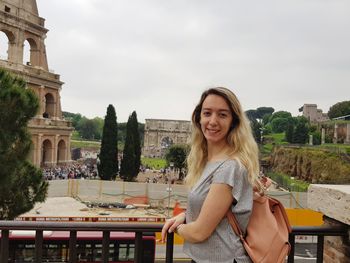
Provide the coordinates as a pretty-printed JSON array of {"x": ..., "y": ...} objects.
[
  {"x": 136, "y": 200},
  {"x": 177, "y": 209},
  {"x": 304, "y": 217}
]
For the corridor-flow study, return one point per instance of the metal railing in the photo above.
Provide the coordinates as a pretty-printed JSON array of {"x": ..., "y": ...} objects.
[
  {"x": 138, "y": 229},
  {"x": 73, "y": 227},
  {"x": 320, "y": 232}
]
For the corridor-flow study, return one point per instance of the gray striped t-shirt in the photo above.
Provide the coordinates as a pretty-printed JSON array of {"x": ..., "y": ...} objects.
[{"x": 223, "y": 246}]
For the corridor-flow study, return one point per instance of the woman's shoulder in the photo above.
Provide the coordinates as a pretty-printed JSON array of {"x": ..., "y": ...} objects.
[{"x": 233, "y": 163}]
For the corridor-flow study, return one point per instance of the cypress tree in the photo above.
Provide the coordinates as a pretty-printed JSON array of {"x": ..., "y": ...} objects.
[
  {"x": 289, "y": 132},
  {"x": 301, "y": 133},
  {"x": 108, "y": 157},
  {"x": 137, "y": 143},
  {"x": 128, "y": 161},
  {"x": 131, "y": 161},
  {"x": 21, "y": 183}
]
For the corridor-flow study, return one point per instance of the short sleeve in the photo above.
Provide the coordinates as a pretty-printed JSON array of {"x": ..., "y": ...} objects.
[{"x": 233, "y": 174}]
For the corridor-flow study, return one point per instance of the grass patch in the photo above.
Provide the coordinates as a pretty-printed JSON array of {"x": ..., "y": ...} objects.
[
  {"x": 288, "y": 183},
  {"x": 154, "y": 163},
  {"x": 270, "y": 140},
  {"x": 338, "y": 148},
  {"x": 76, "y": 135},
  {"x": 85, "y": 144}
]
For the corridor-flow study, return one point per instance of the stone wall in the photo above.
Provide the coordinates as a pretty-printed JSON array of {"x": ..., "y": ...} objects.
[{"x": 333, "y": 201}]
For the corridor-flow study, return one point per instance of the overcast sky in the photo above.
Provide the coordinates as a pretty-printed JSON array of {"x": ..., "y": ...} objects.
[{"x": 157, "y": 56}]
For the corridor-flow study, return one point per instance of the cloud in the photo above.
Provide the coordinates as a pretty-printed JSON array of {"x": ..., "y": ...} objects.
[{"x": 156, "y": 57}]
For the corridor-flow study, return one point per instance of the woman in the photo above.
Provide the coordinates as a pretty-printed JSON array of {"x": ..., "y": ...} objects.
[{"x": 222, "y": 171}]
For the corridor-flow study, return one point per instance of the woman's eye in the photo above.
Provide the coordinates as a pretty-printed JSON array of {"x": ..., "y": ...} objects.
[{"x": 206, "y": 113}]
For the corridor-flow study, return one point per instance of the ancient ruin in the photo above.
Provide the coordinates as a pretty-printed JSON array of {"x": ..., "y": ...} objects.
[
  {"x": 161, "y": 134},
  {"x": 21, "y": 24}
]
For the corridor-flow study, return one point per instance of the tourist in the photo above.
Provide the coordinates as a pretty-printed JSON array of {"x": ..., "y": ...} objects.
[{"x": 222, "y": 168}]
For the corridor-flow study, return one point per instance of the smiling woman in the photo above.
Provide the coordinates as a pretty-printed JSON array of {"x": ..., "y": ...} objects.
[{"x": 222, "y": 170}]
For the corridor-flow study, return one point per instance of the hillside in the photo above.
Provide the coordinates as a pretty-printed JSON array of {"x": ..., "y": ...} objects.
[{"x": 311, "y": 165}]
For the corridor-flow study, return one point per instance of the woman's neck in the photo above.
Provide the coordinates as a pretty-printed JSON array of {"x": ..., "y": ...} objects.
[{"x": 217, "y": 152}]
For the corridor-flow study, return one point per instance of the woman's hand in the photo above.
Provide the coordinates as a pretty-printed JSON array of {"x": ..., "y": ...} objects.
[{"x": 171, "y": 224}]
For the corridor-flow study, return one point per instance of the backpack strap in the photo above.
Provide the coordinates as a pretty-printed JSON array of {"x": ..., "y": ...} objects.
[
  {"x": 234, "y": 224},
  {"x": 264, "y": 182}
]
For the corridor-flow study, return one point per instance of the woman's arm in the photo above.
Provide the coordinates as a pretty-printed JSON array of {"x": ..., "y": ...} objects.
[{"x": 215, "y": 207}]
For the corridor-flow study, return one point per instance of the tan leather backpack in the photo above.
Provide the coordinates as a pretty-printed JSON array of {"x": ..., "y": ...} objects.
[{"x": 266, "y": 237}]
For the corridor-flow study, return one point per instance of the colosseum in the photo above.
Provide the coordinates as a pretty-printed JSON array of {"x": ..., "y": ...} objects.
[{"x": 22, "y": 29}]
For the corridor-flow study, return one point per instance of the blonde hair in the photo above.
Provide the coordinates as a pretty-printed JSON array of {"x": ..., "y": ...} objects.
[{"x": 240, "y": 139}]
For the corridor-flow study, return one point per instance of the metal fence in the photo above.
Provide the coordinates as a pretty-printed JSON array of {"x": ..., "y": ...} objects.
[{"x": 138, "y": 228}]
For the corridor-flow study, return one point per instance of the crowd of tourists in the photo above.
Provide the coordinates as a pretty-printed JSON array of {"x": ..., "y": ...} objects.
[{"x": 71, "y": 171}]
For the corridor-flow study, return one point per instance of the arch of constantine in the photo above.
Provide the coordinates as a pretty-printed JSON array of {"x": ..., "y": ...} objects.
[
  {"x": 161, "y": 134},
  {"x": 20, "y": 23}
]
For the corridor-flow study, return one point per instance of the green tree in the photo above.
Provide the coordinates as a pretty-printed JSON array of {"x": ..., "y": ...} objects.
[
  {"x": 280, "y": 114},
  {"x": 279, "y": 125},
  {"x": 21, "y": 183},
  {"x": 108, "y": 157},
  {"x": 316, "y": 137},
  {"x": 137, "y": 142},
  {"x": 262, "y": 111},
  {"x": 177, "y": 155},
  {"x": 289, "y": 132},
  {"x": 88, "y": 129},
  {"x": 131, "y": 161},
  {"x": 301, "y": 130},
  {"x": 251, "y": 114},
  {"x": 73, "y": 117},
  {"x": 339, "y": 109},
  {"x": 256, "y": 129}
]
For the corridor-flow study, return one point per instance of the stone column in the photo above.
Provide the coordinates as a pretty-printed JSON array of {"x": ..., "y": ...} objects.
[
  {"x": 310, "y": 139},
  {"x": 55, "y": 149},
  {"x": 56, "y": 108},
  {"x": 68, "y": 153},
  {"x": 37, "y": 154},
  {"x": 335, "y": 136},
  {"x": 347, "y": 139},
  {"x": 323, "y": 136},
  {"x": 16, "y": 47},
  {"x": 41, "y": 101}
]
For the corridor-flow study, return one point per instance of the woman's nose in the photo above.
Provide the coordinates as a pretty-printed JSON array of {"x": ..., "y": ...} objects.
[{"x": 213, "y": 119}]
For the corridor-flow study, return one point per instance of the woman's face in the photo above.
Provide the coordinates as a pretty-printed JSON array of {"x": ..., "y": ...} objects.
[{"x": 216, "y": 119}]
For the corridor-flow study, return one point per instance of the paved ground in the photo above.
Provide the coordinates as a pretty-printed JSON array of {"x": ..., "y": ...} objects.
[{"x": 70, "y": 207}]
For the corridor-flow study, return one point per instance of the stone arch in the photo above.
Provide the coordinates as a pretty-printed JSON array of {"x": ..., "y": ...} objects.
[
  {"x": 161, "y": 134},
  {"x": 46, "y": 153},
  {"x": 49, "y": 106},
  {"x": 166, "y": 142},
  {"x": 61, "y": 152},
  {"x": 6, "y": 39},
  {"x": 30, "y": 52}
]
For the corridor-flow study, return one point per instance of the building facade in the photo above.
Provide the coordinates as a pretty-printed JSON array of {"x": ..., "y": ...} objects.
[
  {"x": 313, "y": 114},
  {"x": 21, "y": 25},
  {"x": 161, "y": 134}
]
